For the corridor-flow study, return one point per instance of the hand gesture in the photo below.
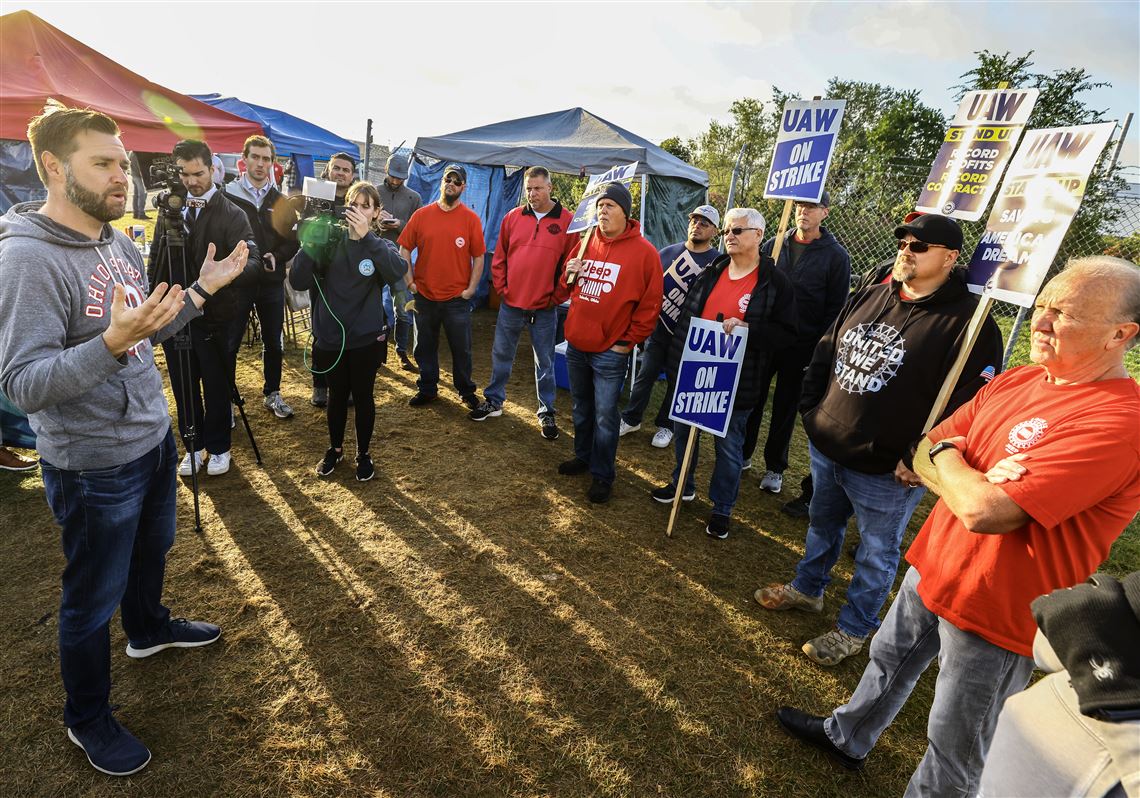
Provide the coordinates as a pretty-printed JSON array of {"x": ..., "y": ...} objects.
[
  {"x": 905, "y": 476},
  {"x": 1008, "y": 469},
  {"x": 131, "y": 325},
  {"x": 216, "y": 274},
  {"x": 573, "y": 266},
  {"x": 358, "y": 222}
]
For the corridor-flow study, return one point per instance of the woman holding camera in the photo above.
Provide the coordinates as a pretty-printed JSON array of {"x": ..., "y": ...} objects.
[{"x": 346, "y": 282}]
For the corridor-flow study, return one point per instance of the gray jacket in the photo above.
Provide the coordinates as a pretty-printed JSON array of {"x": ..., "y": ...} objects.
[{"x": 89, "y": 410}]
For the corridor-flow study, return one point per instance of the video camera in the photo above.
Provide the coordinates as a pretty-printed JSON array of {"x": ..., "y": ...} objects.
[
  {"x": 172, "y": 199},
  {"x": 321, "y": 225}
]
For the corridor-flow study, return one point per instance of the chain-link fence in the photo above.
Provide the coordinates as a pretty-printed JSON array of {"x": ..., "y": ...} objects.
[{"x": 866, "y": 208}]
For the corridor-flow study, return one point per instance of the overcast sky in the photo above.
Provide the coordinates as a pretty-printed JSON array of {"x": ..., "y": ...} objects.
[{"x": 658, "y": 69}]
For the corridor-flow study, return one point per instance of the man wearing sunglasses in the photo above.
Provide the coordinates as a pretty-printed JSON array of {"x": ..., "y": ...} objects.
[
  {"x": 866, "y": 395},
  {"x": 449, "y": 237},
  {"x": 820, "y": 271},
  {"x": 682, "y": 263}
]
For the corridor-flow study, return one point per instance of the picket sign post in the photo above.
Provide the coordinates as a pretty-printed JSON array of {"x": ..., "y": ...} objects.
[
  {"x": 972, "y": 332},
  {"x": 778, "y": 244},
  {"x": 692, "y": 440}
]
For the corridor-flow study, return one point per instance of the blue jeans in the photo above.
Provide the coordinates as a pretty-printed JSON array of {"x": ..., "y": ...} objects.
[
  {"x": 269, "y": 300},
  {"x": 725, "y": 481},
  {"x": 596, "y": 379},
  {"x": 399, "y": 319},
  {"x": 882, "y": 509},
  {"x": 648, "y": 370},
  {"x": 117, "y": 525},
  {"x": 454, "y": 316},
  {"x": 508, "y": 328},
  {"x": 974, "y": 680}
]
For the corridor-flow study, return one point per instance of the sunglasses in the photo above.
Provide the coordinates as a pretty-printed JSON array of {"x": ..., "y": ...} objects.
[
  {"x": 737, "y": 230},
  {"x": 453, "y": 181},
  {"x": 918, "y": 247}
]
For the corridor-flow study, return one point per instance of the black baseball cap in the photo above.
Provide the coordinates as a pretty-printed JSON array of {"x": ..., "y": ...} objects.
[
  {"x": 457, "y": 169},
  {"x": 933, "y": 229}
]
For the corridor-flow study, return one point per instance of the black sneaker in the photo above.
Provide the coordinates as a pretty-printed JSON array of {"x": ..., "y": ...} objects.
[
  {"x": 328, "y": 463},
  {"x": 471, "y": 401},
  {"x": 178, "y": 633},
  {"x": 421, "y": 399},
  {"x": 809, "y": 729},
  {"x": 573, "y": 466},
  {"x": 549, "y": 428},
  {"x": 796, "y": 508},
  {"x": 406, "y": 363},
  {"x": 110, "y": 748},
  {"x": 665, "y": 494},
  {"x": 717, "y": 527},
  {"x": 599, "y": 492},
  {"x": 364, "y": 468},
  {"x": 320, "y": 396},
  {"x": 484, "y": 411}
]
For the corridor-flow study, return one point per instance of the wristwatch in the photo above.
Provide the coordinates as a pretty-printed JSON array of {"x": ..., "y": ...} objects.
[{"x": 941, "y": 446}]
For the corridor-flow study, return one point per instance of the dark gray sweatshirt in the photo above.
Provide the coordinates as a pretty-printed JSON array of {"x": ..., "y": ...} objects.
[{"x": 88, "y": 409}]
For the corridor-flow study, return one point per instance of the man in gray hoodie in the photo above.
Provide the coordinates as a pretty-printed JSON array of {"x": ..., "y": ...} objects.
[{"x": 78, "y": 324}]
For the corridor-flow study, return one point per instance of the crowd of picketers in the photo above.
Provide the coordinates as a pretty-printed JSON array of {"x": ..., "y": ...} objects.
[{"x": 1037, "y": 469}]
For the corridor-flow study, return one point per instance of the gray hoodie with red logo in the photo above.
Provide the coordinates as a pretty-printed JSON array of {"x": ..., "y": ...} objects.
[{"x": 89, "y": 410}]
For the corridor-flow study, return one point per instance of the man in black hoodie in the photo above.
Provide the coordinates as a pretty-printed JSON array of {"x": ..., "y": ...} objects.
[
  {"x": 820, "y": 270},
  {"x": 866, "y": 395}
]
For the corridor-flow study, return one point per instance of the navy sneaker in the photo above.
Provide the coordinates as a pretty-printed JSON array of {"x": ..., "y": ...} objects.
[
  {"x": 110, "y": 748},
  {"x": 717, "y": 526},
  {"x": 178, "y": 633}
]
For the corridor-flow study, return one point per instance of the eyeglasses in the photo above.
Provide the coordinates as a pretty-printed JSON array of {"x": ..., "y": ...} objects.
[
  {"x": 737, "y": 230},
  {"x": 700, "y": 220},
  {"x": 918, "y": 247},
  {"x": 453, "y": 181}
]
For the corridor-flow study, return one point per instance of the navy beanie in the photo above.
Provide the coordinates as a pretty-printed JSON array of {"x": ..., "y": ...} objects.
[{"x": 618, "y": 194}]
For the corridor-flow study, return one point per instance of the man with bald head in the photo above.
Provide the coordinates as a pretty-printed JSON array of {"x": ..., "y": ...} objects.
[{"x": 1037, "y": 477}]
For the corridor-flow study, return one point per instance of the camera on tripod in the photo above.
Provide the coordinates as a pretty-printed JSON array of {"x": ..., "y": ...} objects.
[
  {"x": 172, "y": 199},
  {"x": 321, "y": 225}
]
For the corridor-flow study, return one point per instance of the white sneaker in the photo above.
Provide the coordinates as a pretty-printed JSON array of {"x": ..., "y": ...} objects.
[
  {"x": 184, "y": 468},
  {"x": 772, "y": 482},
  {"x": 662, "y": 437},
  {"x": 625, "y": 429},
  {"x": 219, "y": 464}
]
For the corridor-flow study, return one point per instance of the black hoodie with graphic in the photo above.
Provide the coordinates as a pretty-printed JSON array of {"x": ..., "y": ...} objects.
[{"x": 877, "y": 371}]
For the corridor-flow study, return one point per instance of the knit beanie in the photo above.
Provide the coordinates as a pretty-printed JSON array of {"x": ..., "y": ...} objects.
[
  {"x": 1095, "y": 630},
  {"x": 619, "y": 194}
]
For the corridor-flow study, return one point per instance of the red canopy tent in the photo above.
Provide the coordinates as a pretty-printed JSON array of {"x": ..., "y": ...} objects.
[{"x": 40, "y": 61}]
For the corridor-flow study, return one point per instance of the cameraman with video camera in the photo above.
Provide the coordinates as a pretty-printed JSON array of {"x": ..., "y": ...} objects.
[
  {"x": 271, "y": 219},
  {"x": 345, "y": 275},
  {"x": 208, "y": 217}
]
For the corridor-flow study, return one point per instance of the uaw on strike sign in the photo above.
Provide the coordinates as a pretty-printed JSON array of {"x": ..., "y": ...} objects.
[
  {"x": 1038, "y": 200},
  {"x": 586, "y": 214},
  {"x": 804, "y": 144},
  {"x": 708, "y": 375},
  {"x": 978, "y": 145}
]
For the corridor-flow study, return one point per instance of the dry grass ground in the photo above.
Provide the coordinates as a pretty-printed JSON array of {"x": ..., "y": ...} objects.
[{"x": 466, "y": 624}]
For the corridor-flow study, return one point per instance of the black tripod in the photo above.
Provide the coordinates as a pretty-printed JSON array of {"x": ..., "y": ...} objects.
[{"x": 174, "y": 251}]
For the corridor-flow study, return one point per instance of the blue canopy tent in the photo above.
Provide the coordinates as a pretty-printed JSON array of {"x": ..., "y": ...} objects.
[
  {"x": 572, "y": 142},
  {"x": 292, "y": 136}
]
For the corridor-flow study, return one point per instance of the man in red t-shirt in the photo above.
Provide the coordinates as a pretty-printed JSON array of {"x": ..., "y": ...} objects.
[
  {"x": 1038, "y": 474},
  {"x": 449, "y": 237}
]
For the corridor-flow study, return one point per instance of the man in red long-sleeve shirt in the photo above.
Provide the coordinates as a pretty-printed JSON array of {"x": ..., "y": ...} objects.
[{"x": 613, "y": 306}]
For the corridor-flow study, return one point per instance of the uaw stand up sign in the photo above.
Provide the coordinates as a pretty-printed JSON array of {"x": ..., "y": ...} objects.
[
  {"x": 707, "y": 378},
  {"x": 977, "y": 147}
]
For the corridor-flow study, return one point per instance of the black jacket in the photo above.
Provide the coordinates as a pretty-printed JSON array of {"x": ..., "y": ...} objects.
[
  {"x": 876, "y": 374},
  {"x": 223, "y": 224},
  {"x": 272, "y": 226},
  {"x": 350, "y": 290},
  {"x": 771, "y": 319},
  {"x": 821, "y": 279}
]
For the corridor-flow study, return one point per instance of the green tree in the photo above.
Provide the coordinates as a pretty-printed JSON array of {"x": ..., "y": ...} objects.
[{"x": 678, "y": 148}]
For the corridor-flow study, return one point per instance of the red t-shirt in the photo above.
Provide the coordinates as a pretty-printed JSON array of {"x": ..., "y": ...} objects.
[
  {"x": 447, "y": 241},
  {"x": 730, "y": 297},
  {"x": 1081, "y": 490}
]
